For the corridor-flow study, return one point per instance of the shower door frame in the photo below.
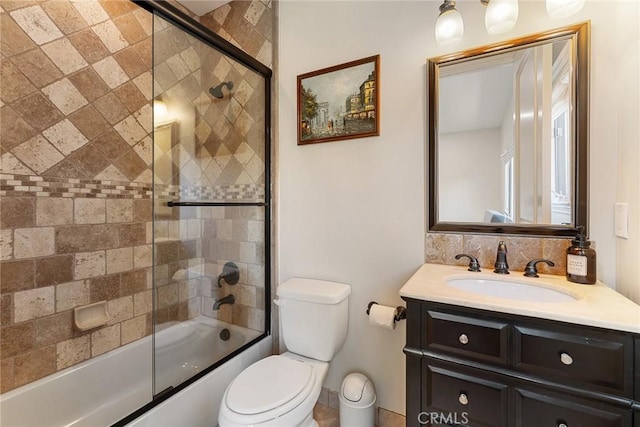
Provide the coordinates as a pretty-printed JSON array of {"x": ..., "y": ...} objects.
[{"x": 173, "y": 15}]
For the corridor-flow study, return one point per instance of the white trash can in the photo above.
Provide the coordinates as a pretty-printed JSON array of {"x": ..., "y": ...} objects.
[{"x": 357, "y": 398}]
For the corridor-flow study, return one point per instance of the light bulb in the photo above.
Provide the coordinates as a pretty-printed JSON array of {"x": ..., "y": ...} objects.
[
  {"x": 449, "y": 26},
  {"x": 501, "y": 16},
  {"x": 558, "y": 9},
  {"x": 160, "y": 111}
]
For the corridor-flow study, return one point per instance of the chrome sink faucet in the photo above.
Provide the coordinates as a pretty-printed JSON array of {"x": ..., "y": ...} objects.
[{"x": 501, "y": 265}]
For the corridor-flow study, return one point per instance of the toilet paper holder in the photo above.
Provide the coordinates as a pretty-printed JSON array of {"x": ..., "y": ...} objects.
[{"x": 401, "y": 312}]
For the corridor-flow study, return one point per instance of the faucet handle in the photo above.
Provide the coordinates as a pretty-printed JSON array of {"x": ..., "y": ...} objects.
[
  {"x": 474, "y": 265},
  {"x": 531, "y": 271},
  {"x": 230, "y": 274}
]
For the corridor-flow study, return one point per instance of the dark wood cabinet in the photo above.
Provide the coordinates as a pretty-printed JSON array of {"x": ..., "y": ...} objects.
[
  {"x": 465, "y": 336},
  {"x": 472, "y": 398},
  {"x": 535, "y": 408},
  {"x": 472, "y": 367},
  {"x": 577, "y": 356}
]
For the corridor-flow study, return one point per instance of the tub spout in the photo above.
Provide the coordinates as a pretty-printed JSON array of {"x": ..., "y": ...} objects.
[{"x": 229, "y": 299}]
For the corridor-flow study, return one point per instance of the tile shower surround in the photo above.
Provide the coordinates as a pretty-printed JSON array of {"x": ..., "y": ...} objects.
[
  {"x": 75, "y": 147},
  {"x": 75, "y": 249}
]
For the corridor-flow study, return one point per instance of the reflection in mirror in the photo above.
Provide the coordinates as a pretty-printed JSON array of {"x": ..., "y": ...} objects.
[{"x": 508, "y": 136}]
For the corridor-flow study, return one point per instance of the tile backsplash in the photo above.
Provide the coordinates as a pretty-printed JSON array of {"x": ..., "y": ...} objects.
[{"x": 441, "y": 248}]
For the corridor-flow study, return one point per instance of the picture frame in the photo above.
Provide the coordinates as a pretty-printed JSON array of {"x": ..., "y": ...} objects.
[{"x": 339, "y": 102}]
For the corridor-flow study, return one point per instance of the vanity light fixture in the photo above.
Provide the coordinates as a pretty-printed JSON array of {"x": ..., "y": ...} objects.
[
  {"x": 558, "y": 9},
  {"x": 161, "y": 114},
  {"x": 160, "y": 111},
  {"x": 449, "y": 26},
  {"x": 500, "y": 17}
]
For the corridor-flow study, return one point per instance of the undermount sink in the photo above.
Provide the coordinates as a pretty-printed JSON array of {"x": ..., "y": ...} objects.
[{"x": 510, "y": 289}]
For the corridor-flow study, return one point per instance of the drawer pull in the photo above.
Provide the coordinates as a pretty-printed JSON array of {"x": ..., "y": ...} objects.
[
  {"x": 566, "y": 359},
  {"x": 463, "y": 399},
  {"x": 464, "y": 339}
]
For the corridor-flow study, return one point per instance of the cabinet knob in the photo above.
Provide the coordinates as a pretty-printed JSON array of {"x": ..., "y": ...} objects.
[
  {"x": 463, "y": 338},
  {"x": 567, "y": 360},
  {"x": 561, "y": 424},
  {"x": 463, "y": 399}
]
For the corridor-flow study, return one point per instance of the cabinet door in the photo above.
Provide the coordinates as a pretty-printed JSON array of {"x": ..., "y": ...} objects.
[
  {"x": 456, "y": 396},
  {"x": 536, "y": 408},
  {"x": 576, "y": 356}
]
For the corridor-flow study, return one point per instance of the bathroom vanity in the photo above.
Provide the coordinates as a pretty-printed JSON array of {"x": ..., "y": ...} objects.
[{"x": 484, "y": 360}]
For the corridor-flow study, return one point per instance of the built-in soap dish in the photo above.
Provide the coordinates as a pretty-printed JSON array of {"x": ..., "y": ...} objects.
[{"x": 91, "y": 316}]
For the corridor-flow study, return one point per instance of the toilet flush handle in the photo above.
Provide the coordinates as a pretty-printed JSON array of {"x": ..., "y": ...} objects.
[{"x": 278, "y": 302}]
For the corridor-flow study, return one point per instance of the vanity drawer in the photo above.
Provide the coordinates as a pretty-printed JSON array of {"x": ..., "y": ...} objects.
[
  {"x": 535, "y": 408},
  {"x": 463, "y": 398},
  {"x": 577, "y": 356},
  {"x": 467, "y": 336}
]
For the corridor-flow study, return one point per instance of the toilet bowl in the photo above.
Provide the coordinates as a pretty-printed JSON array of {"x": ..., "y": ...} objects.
[
  {"x": 281, "y": 390},
  {"x": 277, "y": 391}
]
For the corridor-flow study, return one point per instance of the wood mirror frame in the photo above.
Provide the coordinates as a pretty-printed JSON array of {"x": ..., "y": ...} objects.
[{"x": 579, "y": 35}]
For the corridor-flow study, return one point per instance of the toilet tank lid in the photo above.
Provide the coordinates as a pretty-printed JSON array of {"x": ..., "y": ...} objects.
[{"x": 313, "y": 290}]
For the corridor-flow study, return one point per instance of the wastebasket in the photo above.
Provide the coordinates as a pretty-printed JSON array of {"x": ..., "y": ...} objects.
[{"x": 357, "y": 397}]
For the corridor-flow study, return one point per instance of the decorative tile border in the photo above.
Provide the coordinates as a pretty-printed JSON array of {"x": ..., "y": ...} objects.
[
  {"x": 197, "y": 193},
  {"x": 38, "y": 186}
]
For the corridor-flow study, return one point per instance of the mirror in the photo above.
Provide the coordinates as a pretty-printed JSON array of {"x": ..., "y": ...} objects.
[{"x": 508, "y": 136}]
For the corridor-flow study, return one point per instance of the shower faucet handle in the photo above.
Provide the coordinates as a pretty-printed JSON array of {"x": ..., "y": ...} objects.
[{"x": 230, "y": 274}]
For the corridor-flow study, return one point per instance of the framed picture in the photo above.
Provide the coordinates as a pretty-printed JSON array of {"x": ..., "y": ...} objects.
[{"x": 339, "y": 102}]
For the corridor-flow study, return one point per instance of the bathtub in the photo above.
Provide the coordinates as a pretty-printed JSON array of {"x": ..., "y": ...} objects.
[{"x": 105, "y": 389}]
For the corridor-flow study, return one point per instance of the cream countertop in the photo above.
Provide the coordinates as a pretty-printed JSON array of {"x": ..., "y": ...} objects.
[{"x": 596, "y": 305}]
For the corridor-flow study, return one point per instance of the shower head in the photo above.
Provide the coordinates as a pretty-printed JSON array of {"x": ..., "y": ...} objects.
[{"x": 216, "y": 91}]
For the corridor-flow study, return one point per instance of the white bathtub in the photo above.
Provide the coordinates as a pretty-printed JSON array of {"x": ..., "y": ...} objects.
[{"x": 105, "y": 389}]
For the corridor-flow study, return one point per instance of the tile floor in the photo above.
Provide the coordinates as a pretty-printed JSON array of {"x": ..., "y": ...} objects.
[
  {"x": 326, "y": 416},
  {"x": 329, "y": 417}
]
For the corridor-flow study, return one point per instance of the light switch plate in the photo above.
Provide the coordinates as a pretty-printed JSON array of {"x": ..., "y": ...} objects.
[{"x": 622, "y": 220}]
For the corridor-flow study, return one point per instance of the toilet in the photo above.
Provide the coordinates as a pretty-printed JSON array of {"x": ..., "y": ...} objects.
[{"x": 282, "y": 390}]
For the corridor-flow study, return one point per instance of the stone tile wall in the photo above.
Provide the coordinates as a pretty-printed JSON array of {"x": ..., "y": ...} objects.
[
  {"x": 76, "y": 79},
  {"x": 75, "y": 175}
]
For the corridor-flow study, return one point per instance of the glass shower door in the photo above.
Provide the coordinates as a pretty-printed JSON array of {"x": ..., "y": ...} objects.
[{"x": 211, "y": 216}]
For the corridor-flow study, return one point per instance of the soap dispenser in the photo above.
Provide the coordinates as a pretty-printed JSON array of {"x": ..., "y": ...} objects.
[{"x": 581, "y": 260}]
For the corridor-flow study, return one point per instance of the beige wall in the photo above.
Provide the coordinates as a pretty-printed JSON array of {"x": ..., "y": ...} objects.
[{"x": 354, "y": 211}]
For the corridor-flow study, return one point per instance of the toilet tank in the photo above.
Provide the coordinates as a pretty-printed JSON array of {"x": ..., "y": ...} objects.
[{"x": 314, "y": 315}]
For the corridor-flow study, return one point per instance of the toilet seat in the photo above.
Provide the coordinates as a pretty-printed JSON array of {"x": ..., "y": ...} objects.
[{"x": 268, "y": 389}]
